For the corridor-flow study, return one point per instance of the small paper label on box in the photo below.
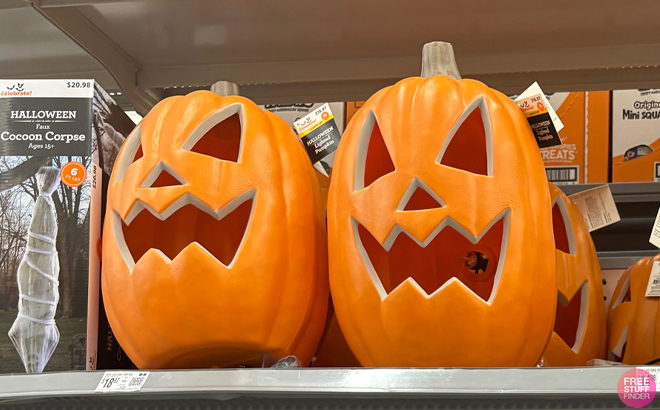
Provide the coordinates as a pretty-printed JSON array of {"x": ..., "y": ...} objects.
[
  {"x": 541, "y": 116},
  {"x": 320, "y": 136},
  {"x": 597, "y": 207},
  {"x": 655, "y": 372},
  {"x": 655, "y": 233},
  {"x": 653, "y": 288},
  {"x": 122, "y": 381}
]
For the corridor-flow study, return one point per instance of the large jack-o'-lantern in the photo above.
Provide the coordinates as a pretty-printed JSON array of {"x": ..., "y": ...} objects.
[
  {"x": 214, "y": 247},
  {"x": 634, "y": 319},
  {"x": 580, "y": 324},
  {"x": 440, "y": 233}
]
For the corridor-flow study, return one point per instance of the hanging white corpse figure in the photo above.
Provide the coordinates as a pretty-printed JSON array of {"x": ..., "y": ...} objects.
[{"x": 34, "y": 333}]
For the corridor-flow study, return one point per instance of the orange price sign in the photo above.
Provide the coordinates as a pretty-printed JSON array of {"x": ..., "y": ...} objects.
[{"x": 73, "y": 174}]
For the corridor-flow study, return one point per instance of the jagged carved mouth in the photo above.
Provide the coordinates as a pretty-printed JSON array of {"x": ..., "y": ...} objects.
[
  {"x": 188, "y": 220},
  {"x": 570, "y": 318},
  {"x": 450, "y": 253}
]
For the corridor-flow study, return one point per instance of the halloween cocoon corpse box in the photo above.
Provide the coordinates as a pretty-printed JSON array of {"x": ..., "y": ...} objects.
[
  {"x": 214, "y": 251},
  {"x": 56, "y": 137},
  {"x": 423, "y": 217}
]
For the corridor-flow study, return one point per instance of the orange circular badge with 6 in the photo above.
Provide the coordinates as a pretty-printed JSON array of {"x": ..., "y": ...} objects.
[{"x": 73, "y": 174}]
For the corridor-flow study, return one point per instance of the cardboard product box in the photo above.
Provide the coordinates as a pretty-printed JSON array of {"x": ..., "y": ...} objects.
[
  {"x": 635, "y": 135},
  {"x": 583, "y": 155},
  {"x": 352, "y": 107},
  {"x": 50, "y": 153}
]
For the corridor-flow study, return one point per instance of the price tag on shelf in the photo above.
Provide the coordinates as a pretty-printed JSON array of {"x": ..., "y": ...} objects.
[
  {"x": 653, "y": 287},
  {"x": 122, "y": 381},
  {"x": 597, "y": 207},
  {"x": 655, "y": 372}
]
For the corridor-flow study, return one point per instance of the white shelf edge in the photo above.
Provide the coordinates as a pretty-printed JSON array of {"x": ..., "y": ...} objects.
[{"x": 546, "y": 382}]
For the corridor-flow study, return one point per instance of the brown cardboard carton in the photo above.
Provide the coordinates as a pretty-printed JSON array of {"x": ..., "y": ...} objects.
[
  {"x": 582, "y": 157},
  {"x": 635, "y": 135}
]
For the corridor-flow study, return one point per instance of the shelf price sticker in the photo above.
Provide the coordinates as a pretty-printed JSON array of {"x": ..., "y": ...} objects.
[
  {"x": 320, "y": 136},
  {"x": 653, "y": 287},
  {"x": 597, "y": 207},
  {"x": 655, "y": 372},
  {"x": 113, "y": 381},
  {"x": 542, "y": 118}
]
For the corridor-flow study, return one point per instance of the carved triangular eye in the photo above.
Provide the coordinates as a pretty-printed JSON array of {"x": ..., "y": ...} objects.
[
  {"x": 132, "y": 152},
  {"x": 419, "y": 197},
  {"x": 219, "y": 135},
  {"x": 469, "y": 144},
  {"x": 162, "y": 176},
  {"x": 373, "y": 158},
  {"x": 564, "y": 240},
  {"x": 138, "y": 154}
]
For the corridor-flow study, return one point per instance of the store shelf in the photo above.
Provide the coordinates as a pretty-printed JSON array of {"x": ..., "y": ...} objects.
[
  {"x": 625, "y": 242},
  {"x": 288, "y": 51},
  {"x": 636, "y": 192},
  {"x": 622, "y": 259},
  {"x": 31, "y": 47},
  {"x": 320, "y": 388}
]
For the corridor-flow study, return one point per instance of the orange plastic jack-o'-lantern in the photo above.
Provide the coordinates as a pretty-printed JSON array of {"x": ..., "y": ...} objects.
[
  {"x": 440, "y": 233},
  {"x": 214, "y": 251},
  {"x": 580, "y": 323},
  {"x": 634, "y": 319}
]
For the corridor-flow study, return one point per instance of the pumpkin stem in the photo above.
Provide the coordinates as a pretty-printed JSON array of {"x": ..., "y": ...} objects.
[
  {"x": 225, "y": 88},
  {"x": 438, "y": 59}
]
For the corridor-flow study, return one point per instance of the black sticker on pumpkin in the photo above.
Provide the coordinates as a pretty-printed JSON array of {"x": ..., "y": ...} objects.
[
  {"x": 544, "y": 130},
  {"x": 539, "y": 115},
  {"x": 322, "y": 141}
]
